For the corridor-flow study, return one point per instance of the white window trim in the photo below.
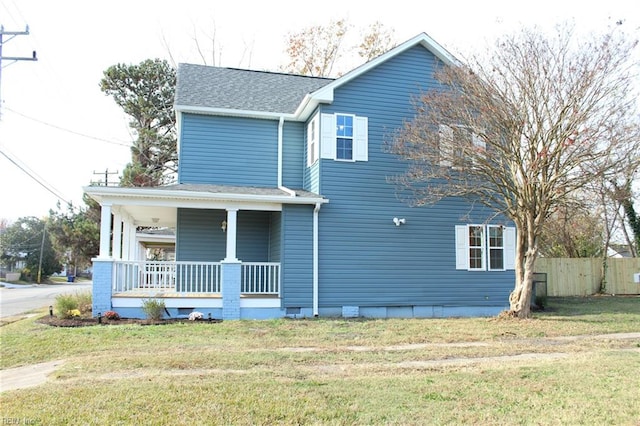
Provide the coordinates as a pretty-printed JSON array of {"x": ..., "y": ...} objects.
[
  {"x": 489, "y": 248},
  {"x": 462, "y": 248},
  {"x": 313, "y": 148},
  {"x": 352, "y": 137},
  {"x": 446, "y": 135},
  {"x": 328, "y": 138}
]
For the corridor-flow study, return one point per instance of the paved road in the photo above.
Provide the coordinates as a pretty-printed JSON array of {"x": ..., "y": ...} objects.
[{"x": 18, "y": 299}]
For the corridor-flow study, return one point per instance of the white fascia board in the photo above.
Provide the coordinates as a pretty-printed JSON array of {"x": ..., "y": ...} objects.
[
  {"x": 161, "y": 197},
  {"x": 233, "y": 112},
  {"x": 311, "y": 102}
]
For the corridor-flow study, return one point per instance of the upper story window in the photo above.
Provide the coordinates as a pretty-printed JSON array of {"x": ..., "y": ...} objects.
[
  {"x": 344, "y": 137},
  {"x": 312, "y": 140},
  {"x": 485, "y": 247},
  {"x": 459, "y": 146}
]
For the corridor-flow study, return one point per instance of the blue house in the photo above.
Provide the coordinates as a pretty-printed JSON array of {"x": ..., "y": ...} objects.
[{"x": 283, "y": 206}]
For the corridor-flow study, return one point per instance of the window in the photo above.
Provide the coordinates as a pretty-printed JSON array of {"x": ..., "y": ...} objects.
[
  {"x": 485, "y": 247},
  {"x": 344, "y": 137},
  {"x": 459, "y": 145},
  {"x": 476, "y": 247},
  {"x": 312, "y": 141},
  {"x": 496, "y": 247}
]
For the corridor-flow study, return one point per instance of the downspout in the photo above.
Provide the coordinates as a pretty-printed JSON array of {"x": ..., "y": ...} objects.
[
  {"x": 316, "y": 210},
  {"x": 280, "y": 138}
]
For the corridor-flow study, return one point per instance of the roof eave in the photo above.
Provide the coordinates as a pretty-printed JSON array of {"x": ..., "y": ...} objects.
[
  {"x": 101, "y": 193},
  {"x": 265, "y": 115}
]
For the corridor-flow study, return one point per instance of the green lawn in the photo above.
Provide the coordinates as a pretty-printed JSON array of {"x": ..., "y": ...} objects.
[{"x": 554, "y": 369}]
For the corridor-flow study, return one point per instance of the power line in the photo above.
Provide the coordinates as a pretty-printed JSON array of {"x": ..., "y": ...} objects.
[
  {"x": 35, "y": 177},
  {"x": 68, "y": 130}
]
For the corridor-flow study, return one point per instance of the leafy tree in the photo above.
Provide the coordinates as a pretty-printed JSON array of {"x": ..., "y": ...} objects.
[
  {"x": 315, "y": 50},
  {"x": 76, "y": 235},
  {"x": 523, "y": 129},
  {"x": 376, "y": 40},
  {"x": 24, "y": 241},
  {"x": 145, "y": 92}
]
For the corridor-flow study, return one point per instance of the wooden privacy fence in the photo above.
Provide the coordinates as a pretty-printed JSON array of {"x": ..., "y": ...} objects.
[{"x": 581, "y": 277}]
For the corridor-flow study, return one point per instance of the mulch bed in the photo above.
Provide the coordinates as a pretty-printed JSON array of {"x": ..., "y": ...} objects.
[{"x": 87, "y": 322}]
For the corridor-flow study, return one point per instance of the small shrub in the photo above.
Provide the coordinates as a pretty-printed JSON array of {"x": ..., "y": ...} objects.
[
  {"x": 112, "y": 315},
  {"x": 74, "y": 313},
  {"x": 153, "y": 309},
  {"x": 84, "y": 302},
  {"x": 64, "y": 304},
  {"x": 67, "y": 303}
]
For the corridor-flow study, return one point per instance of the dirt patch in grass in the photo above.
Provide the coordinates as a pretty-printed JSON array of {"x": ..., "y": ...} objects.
[{"x": 87, "y": 322}]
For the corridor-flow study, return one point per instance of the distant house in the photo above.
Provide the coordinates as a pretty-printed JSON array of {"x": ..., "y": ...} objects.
[
  {"x": 283, "y": 206},
  {"x": 619, "y": 251}
]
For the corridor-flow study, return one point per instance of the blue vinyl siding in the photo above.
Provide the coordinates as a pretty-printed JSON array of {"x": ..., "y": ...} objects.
[
  {"x": 365, "y": 260},
  {"x": 275, "y": 237},
  {"x": 253, "y": 236},
  {"x": 312, "y": 177},
  {"x": 297, "y": 255},
  {"x": 199, "y": 237},
  {"x": 228, "y": 151},
  {"x": 293, "y": 154}
]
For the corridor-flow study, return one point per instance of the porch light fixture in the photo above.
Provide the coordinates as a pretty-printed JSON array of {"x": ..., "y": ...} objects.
[
  {"x": 399, "y": 222},
  {"x": 155, "y": 219},
  {"x": 223, "y": 226}
]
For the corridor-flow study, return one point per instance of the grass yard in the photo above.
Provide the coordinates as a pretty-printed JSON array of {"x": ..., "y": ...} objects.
[{"x": 568, "y": 365}]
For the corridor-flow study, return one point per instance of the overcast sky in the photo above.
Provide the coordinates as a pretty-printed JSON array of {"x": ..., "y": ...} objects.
[{"x": 59, "y": 127}]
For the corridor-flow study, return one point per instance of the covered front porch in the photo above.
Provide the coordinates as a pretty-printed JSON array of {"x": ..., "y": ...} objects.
[{"x": 227, "y": 250}]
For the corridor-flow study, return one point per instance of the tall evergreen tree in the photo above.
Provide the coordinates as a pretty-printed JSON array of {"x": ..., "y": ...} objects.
[{"x": 145, "y": 92}]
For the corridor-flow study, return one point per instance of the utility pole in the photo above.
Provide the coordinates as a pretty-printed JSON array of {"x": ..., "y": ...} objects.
[
  {"x": 13, "y": 59},
  {"x": 106, "y": 175},
  {"x": 44, "y": 232}
]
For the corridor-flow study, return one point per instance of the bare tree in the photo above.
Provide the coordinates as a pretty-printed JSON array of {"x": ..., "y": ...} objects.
[
  {"x": 576, "y": 229},
  {"x": 523, "y": 129}
]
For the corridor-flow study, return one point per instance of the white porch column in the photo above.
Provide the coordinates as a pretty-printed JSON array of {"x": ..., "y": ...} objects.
[
  {"x": 126, "y": 234},
  {"x": 105, "y": 231},
  {"x": 117, "y": 236},
  {"x": 232, "y": 226},
  {"x": 133, "y": 249}
]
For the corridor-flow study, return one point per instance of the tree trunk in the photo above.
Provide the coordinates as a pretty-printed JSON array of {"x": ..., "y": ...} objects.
[{"x": 526, "y": 255}]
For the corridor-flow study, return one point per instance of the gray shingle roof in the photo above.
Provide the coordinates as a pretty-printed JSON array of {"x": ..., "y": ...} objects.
[
  {"x": 229, "y": 88},
  {"x": 229, "y": 189}
]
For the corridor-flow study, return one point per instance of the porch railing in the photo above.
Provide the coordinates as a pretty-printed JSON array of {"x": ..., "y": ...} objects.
[
  {"x": 260, "y": 278},
  {"x": 154, "y": 277},
  {"x": 192, "y": 277}
]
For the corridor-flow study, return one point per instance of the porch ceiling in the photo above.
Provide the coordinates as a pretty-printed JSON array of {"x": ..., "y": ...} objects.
[
  {"x": 159, "y": 206},
  {"x": 151, "y": 215}
]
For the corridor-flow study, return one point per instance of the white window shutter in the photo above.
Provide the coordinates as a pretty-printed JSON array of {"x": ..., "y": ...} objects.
[
  {"x": 510, "y": 248},
  {"x": 446, "y": 145},
  {"x": 361, "y": 139},
  {"x": 462, "y": 247},
  {"x": 328, "y": 136}
]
